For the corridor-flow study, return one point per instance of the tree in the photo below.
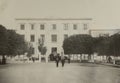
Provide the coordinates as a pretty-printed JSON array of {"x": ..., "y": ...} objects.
[
  {"x": 29, "y": 51},
  {"x": 108, "y": 46},
  {"x": 115, "y": 44},
  {"x": 11, "y": 43},
  {"x": 78, "y": 44},
  {"x": 16, "y": 43},
  {"x": 103, "y": 46},
  {"x": 42, "y": 49},
  {"x": 3, "y": 43}
]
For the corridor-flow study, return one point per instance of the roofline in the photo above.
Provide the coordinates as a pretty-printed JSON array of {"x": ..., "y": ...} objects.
[
  {"x": 50, "y": 19},
  {"x": 103, "y": 29}
]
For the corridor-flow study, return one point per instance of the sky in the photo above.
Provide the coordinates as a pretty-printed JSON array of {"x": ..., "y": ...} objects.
[{"x": 105, "y": 13}]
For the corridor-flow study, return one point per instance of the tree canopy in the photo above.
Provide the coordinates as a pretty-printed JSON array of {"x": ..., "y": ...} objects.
[
  {"x": 115, "y": 44},
  {"x": 16, "y": 43},
  {"x": 78, "y": 44},
  {"x": 3, "y": 40},
  {"x": 85, "y": 44},
  {"x": 102, "y": 46},
  {"x": 41, "y": 47},
  {"x": 11, "y": 43}
]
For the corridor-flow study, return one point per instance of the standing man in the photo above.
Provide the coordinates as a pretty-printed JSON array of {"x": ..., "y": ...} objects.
[
  {"x": 33, "y": 59},
  {"x": 62, "y": 59},
  {"x": 57, "y": 59},
  {"x": 109, "y": 59}
]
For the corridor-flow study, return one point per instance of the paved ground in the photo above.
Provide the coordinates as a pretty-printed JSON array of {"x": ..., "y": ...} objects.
[{"x": 48, "y": 73}]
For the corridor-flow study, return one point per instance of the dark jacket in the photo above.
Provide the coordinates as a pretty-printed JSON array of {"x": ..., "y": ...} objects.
[{"x": 57, "y": 58}]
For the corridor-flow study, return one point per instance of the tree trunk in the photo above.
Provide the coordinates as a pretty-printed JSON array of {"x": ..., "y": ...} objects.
[
  {"x": 18, "y": 57},
  {"x": 0, "y": 59},
  {"x": 103, "y": 58},
  {"x": 89, "y": 57},
  {"x": 80, "y": 57},
  {"x": 46, "y": 59},
  {"x": 93, "y": 58},
  {"x": 39, "y": 57},
  {"x": 77, "y": 56},
  {"x": 114, "y": 60},
  {"x": 3, "y": 60},
  {"x": 84, "y": 56},
  {"x": 107, "y": 59},
  {"x": 23, "y": 58},
  {"x": 73, "y": 57},
  {"x": 69, "y": 58}
]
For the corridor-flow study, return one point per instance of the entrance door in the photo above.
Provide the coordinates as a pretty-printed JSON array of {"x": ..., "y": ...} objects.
[{"x": 54, "y": 49}]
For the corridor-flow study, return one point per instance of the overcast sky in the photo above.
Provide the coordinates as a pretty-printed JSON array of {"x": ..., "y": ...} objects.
[{"x": 105, "y": 13}]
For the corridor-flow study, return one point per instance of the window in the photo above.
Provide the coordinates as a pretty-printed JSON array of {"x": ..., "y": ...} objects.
[
  {"x": 65, "y": 26},
  {"x": 42, "y": 37},
  {"x": 22, "y": 27},
  {"x": 32, "y": 38},
  {"x": 54, "y": 26},
  {"x": 54, "y": 38},
  {"x": 32, "y": 26},
  {"x": 75, "y": 26},
  {"x": 65, "y": 36},
  {"x": 42, "y": 26},
  {"x": 85, "y": 26}
]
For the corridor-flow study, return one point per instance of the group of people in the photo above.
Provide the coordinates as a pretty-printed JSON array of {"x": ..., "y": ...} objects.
[{"x": 59, "y": 58}]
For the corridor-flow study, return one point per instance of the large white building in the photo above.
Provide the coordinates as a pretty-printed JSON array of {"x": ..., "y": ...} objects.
[
  {"x": 103, "y": 32},
  {"x": 52, "y": 31}
]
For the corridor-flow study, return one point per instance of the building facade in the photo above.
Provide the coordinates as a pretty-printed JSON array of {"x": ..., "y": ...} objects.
[
  {"x": 51, "y": 31},
  {"x": 103, "y": 32}
]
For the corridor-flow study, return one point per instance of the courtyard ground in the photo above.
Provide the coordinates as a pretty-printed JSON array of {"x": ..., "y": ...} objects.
[{"x": 49, "y": 73}]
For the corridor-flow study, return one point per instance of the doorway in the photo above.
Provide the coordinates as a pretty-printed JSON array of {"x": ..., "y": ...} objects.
[{"x": 54, "y": 49}]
